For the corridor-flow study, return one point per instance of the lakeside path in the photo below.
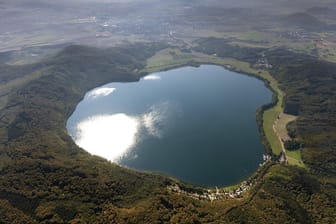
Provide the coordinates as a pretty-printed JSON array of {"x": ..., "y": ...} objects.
[
  {"x": 280, "y": 128},
  {"x": 276, "y": 128}
]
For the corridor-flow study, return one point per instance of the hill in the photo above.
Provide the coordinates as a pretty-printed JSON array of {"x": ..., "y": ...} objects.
[
  {"x": 46, "y": 178},
  {"x": 303, "y": 20}
]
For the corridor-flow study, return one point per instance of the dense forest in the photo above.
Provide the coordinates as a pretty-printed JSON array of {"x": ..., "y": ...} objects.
[{"x": 46, "y": 178}]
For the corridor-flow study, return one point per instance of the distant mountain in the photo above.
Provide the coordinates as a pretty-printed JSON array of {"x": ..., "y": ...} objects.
[
  {"x": 304, "y": 20},
  {"x": 322, "y": 12}
]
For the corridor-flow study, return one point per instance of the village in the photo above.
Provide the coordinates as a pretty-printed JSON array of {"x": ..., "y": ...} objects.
[
  {"x": 220, "y": 193},
  {"x": 215, "y": 194}
]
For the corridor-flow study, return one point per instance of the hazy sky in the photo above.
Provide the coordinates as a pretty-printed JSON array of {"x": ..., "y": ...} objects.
[{"x": 225, "y": 3}]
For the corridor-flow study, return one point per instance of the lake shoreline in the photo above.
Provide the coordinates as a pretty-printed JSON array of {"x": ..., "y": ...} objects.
[
  {"x": 244, "y": 68},
  {"x": 217, "y": 71}
]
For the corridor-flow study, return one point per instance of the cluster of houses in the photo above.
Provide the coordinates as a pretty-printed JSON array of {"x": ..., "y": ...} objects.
[
  {"x": 263, "y": 63},
  {"x": 219, "y": 194},
  {"x": 214, "y": 194},
  {"x": 294, "y": 35},
  {"x": 266, "y": 158}
]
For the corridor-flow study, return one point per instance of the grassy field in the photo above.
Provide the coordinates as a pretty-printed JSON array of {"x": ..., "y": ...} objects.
[
  {"x": 173, "y": 57},
  {"x": 294, "y": 158},
  {"x": 281, "y": 124},
  {"x": 271, "y": 115},
  {"x": 166, "y": 59}
]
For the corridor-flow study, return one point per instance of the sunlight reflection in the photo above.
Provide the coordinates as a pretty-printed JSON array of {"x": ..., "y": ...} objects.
[
  {"x": 112, "y": 136},
  {"x": 154, "y": 121},
  {"x": 104, "y": 91},
  {"x": 152, "y": 77},
  {"x": 108, "y": 136}
]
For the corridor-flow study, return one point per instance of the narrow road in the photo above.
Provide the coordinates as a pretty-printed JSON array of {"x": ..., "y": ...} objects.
[{"x": 285, "y": 159}]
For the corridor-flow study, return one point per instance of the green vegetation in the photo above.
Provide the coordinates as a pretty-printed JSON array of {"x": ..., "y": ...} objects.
[
  {"x": 285, "y": 194},
  {"x": 270, "y": 116},
  {"x": 43, "y": 168},
  {"x": 295, "y": 157},
  {"x": 46, "y": 178},
  {"x": 292, "y": 145},
  {"x": 167, "y": 59}
]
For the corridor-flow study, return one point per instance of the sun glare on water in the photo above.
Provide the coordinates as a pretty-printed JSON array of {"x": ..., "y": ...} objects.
[
  {"x": 152, "y": 77},
  {"x": 108, "y": 136},
  {"x": 112, "y": 135},
  {"x": 101, "y": 92}
]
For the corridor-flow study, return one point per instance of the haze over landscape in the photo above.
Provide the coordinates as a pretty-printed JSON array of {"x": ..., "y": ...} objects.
[
  {"x": 106, "y": 23},
  {"x": 142, "y": 111}
]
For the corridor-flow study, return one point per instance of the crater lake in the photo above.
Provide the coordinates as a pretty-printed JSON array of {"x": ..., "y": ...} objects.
[{"x": 197, "y": 124}]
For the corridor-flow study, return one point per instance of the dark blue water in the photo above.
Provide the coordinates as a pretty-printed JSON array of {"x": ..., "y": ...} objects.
[{"x": 196, "y": 124}]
